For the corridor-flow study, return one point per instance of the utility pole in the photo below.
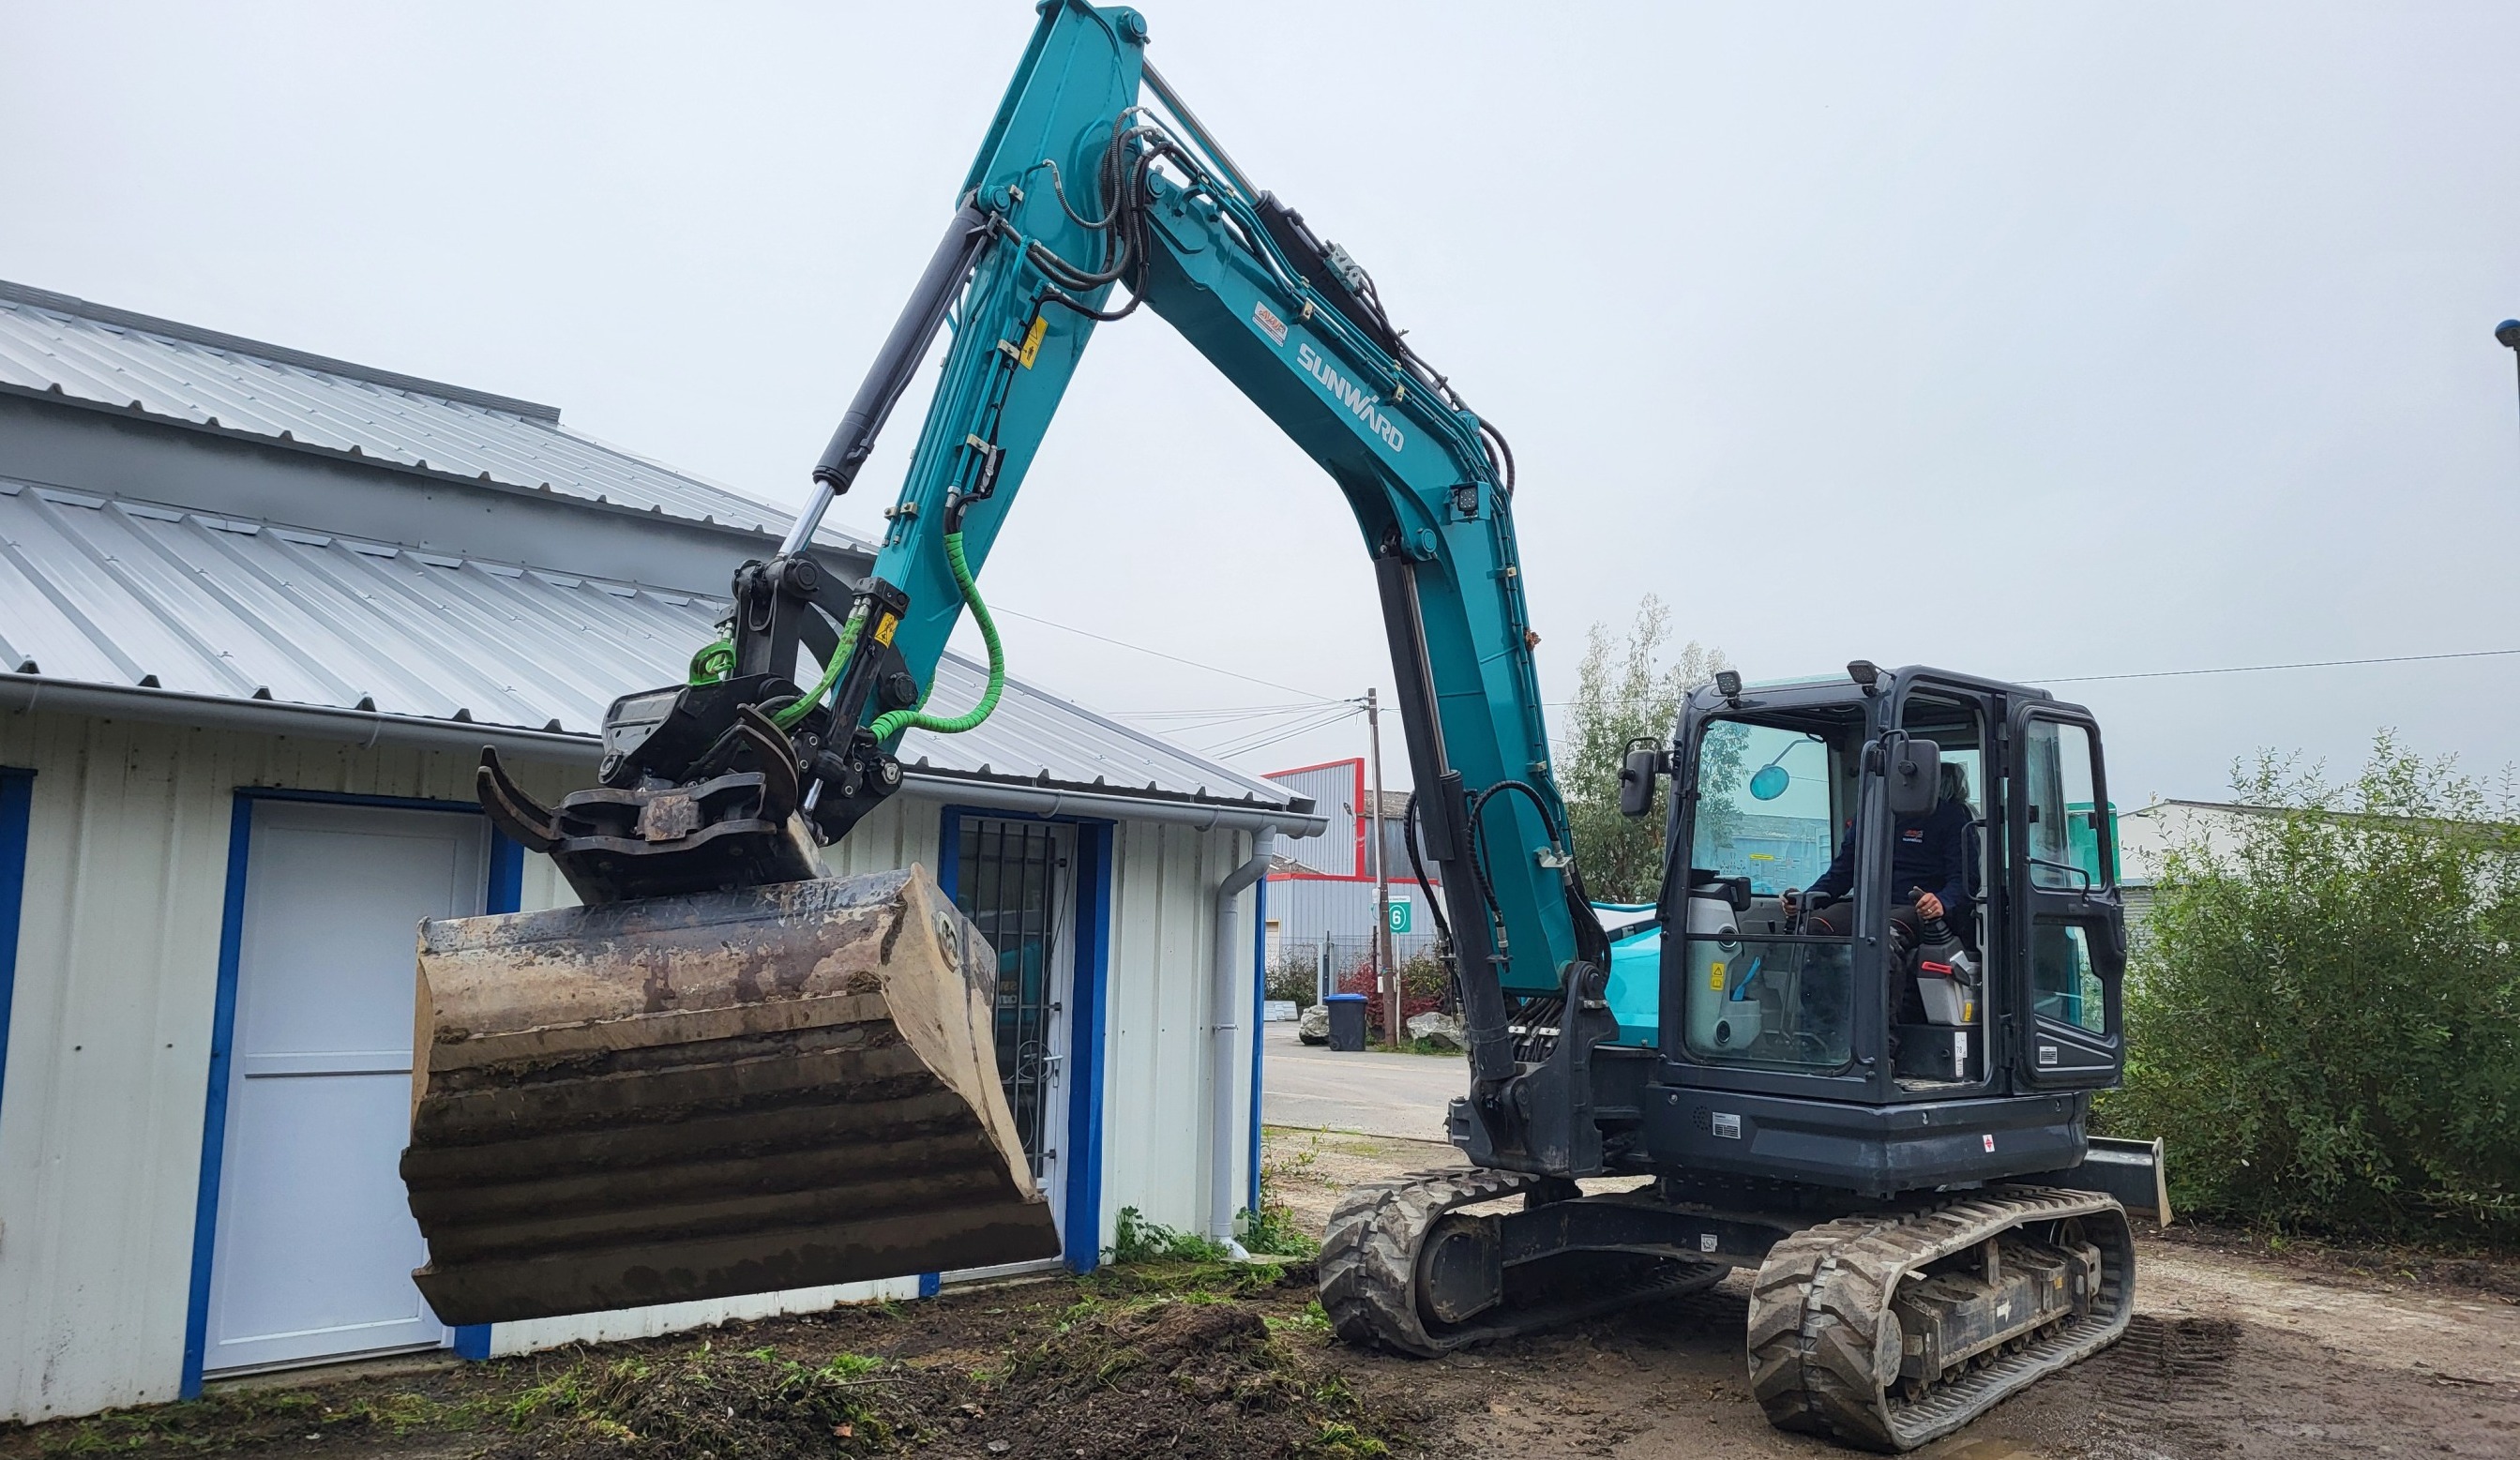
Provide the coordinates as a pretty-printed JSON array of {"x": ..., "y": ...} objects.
[{"x": 1387, "y": 975}]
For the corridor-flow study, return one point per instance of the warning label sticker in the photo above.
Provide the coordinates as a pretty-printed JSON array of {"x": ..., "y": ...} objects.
[{"x": 1270, "y": 324}]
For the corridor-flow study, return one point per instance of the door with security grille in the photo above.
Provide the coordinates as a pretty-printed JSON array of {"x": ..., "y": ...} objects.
[{"x": 1016, "y": 881}]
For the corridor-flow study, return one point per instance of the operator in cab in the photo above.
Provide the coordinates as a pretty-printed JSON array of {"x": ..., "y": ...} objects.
[{"x": 1930, "y": 871}]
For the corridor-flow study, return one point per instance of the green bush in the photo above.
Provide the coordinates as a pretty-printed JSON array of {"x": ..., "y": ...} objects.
[
  {"x": 1138, "y": 1240},
  {"x": 1292, "y": 978},
  {"x": 2325, "y": 1008}
]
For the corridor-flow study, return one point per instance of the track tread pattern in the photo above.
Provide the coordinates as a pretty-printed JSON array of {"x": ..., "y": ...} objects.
[
  {"x": 1825, "y": 1347},
  {"x": 1368, "y": 1265}
]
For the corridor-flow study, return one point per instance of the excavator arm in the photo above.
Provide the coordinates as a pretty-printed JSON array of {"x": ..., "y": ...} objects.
[
  {"x": 697, "y": 1005},
  {"x": 1081, "y": 195},
  {"x": 1096, "y": 193}
]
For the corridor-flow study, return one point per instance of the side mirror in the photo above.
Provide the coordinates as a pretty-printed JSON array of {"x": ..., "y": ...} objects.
[
  {"x": 1636, "y": 782},
  {"x": 1915, "y": 772}
]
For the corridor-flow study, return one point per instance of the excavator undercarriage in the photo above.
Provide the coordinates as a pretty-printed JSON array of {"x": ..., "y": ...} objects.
[{"x": 1884, "y": 1327}]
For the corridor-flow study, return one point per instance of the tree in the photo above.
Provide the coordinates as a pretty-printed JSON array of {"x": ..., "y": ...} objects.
[
  {"x": 2324, "y": 1016},
  {"x": 1624, "y": 692}
]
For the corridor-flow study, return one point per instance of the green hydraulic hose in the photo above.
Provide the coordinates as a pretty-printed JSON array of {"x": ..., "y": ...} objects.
[
  {"x": 787, "y": 719},
  {"x": 714, "y": 662},
  {"x": 893, "y": 723}
]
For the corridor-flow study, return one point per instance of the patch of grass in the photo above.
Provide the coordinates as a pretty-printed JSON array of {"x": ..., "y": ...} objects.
[
  {"x": 1272, "y": 1232},
  {"x": 1342, "y": 1441},
  {"x": 1431, "y": 1046},
  {"x": 725, "y": 1403},
  {"x": 1290, "y": 1165},
  {"x": 1223, "y": 1278},
  {"x": 1138, "y": 1240},
  {"x": 1314, "y": 1319}
]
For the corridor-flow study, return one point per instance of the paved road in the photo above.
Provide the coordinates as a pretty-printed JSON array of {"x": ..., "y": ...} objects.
[{"x": 1370, "y": 1092}]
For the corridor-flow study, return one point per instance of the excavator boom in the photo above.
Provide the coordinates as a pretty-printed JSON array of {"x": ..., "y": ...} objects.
[{"x": 693, "y": 1167}]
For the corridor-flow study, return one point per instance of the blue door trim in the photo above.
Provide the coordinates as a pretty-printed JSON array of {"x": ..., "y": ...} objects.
[
  {"x": 16, "y": 810},
  {"x": 506, "y": 869},
  {"x": 1089, "y": 995},
  {"x": 1259, "y": 1015}
]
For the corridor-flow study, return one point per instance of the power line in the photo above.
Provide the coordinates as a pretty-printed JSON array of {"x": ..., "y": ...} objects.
[
  {"x": 1256, "y": 740},
  {"x": 2179, "y": 673},
  {"x": 1262, "y": 740},
  {"x": 1143, "y": 649},
  {"x": 1195, "y": 726},
  {"x": 1213, "y": 710}
]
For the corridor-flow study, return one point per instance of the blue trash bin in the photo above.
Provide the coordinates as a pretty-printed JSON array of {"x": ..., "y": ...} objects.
[{"x": 1347, "y": 1022}]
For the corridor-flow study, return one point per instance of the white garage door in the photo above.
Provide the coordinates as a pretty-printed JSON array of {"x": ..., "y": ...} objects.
[{"x": 314, "y": 1248}]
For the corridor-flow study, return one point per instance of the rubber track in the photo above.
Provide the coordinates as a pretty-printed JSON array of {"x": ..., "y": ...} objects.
[
  {"x": 1368, "y": 1265},
  {"x": 1825, "y": 1347}
]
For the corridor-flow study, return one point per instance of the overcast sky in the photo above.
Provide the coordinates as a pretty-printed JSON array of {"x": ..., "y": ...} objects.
[{"x": 2034, "y": 341}]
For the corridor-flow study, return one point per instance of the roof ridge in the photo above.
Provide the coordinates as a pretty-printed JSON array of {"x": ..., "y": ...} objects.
[{"x": 107, "y": 314}]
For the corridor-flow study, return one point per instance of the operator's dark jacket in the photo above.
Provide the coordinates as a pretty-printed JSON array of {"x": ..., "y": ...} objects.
[{"x": 1928, "y": 852}]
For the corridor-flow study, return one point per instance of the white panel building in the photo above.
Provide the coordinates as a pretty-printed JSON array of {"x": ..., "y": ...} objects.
[{"x": 259, "y": 611}]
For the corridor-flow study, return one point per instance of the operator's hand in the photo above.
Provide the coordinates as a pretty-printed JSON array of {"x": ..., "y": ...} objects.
[
  {"x": 1929, "y": 905},
  {"x": 1786, "y": 899}
]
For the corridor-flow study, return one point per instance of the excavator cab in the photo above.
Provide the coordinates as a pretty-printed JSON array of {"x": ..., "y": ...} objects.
[
  {"x": 1893, "y": 888},
  {"x": 1886, "y": 984}
]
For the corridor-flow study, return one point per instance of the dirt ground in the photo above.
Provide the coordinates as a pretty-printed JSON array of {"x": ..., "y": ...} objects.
[
  {"x": 2234, "y": 1353},
  {"x": 2237, "y": 1352}
]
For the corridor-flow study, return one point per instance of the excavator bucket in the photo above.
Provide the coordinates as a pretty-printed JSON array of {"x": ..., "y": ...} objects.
[{"x": 710, "y": 1094}]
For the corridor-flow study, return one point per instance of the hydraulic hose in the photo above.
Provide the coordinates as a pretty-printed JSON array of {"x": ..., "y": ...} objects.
[
  {"x": 713, "y": 662},
  {"x": 893, "y": 723},
  {"x": 785, "y": 719}
]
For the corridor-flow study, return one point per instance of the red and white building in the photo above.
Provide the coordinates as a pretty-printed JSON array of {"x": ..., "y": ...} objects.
[{"x": 1323, "y": 886}]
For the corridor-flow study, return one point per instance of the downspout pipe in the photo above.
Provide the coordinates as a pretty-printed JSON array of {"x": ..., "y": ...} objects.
[{"x": 1224, "y": 1140}]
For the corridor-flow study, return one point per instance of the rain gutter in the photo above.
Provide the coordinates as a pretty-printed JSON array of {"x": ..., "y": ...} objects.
[{"x": 24, "y": 694}]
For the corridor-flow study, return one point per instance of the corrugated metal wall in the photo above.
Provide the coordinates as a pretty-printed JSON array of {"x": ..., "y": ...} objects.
[
  {"x": 1154, "y": 1066},
  {"x": 117, "y": 973},
  {"x": 1304, "y": 908},
  {"x": 1336, "y": 792},
  {"x": 109, "y": 1038}
]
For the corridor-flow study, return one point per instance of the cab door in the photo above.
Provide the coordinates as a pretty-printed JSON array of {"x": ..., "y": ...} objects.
[{"x": 2068, "y": 933}]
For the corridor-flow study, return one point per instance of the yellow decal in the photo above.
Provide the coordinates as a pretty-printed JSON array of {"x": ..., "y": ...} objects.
[
  {"x": 883, "y": 628},
  {"x": 1033, "y": 340},
  {"x": 1715, "y": 978}
]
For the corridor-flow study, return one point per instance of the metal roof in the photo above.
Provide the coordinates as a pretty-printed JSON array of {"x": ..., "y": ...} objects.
[
  {"x": 127, "y": 592},
  {"x": 57, "y": 344}
]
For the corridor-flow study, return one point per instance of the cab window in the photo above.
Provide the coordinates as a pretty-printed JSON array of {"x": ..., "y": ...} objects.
[
  {"x": 1771, "y": 809},
  {"x": 1782, "y": 838},
  {"x": 2069, "y": 845}
]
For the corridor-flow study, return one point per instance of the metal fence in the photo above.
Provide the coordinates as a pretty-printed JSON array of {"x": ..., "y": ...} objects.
[{"x": 1344, "y": 963}]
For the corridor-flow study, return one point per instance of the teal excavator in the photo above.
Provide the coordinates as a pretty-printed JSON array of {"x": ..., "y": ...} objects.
[{"x": 729, "y": 1072}]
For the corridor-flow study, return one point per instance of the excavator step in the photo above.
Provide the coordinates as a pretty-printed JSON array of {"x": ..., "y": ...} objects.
[{"x": 707, "y": 1096}]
